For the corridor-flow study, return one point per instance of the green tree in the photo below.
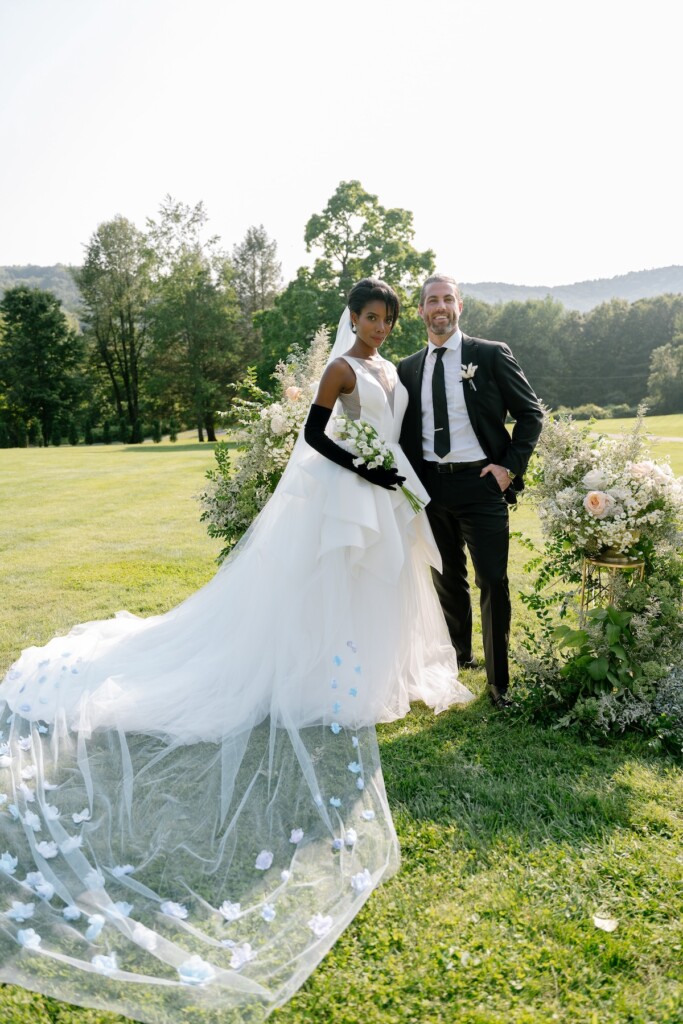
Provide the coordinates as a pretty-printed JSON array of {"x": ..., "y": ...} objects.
[
  {"x": 293, "y": 320},
  {"x": 354, "y": 237},
  {"x": 477, "y": 318},
  {"x": 357, "y": 237},
  {"x": 652, "y": 323},
  {"x": 41, "y": 359},
  {"x": 115, "y": 284},
  {"x": 534, "y": 330},
  {"x": 137, "y": 436},
  {"x": 608, "y": 356},
  {"x": 35, "y": 433},
  {"x": 197, "y": 349},
  {"x": 257, "y": 280},
  {"x": 257, "y": 273},
  {"x": 665, "y": 383}
]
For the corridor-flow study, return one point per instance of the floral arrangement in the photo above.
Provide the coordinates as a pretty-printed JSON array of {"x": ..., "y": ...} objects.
[
  {"x": 269, "y": 425},
  {"x": 596, "y": 493},
  {"x": 619, "y": 666},
  {"x": 363, "y": 440}
]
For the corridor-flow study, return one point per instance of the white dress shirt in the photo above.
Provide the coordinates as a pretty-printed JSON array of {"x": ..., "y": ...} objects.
[{"x": 464, "y": 444}]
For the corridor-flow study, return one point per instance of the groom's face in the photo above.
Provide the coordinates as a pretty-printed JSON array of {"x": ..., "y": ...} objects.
[{"x": 440, "y": 310}]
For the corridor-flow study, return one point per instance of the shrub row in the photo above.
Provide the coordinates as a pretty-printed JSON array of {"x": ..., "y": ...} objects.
[{"x": 18, "y": 434}]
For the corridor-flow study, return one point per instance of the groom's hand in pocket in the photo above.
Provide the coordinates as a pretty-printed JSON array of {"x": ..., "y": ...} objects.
[{"x": 499, "y": 473}]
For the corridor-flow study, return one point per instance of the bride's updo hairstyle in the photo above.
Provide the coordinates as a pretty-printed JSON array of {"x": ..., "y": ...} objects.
[{"x": 371, "y": 289}]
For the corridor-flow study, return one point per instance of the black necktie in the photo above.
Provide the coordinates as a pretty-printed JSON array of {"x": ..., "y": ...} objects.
[{"x": 442, "y": 434}]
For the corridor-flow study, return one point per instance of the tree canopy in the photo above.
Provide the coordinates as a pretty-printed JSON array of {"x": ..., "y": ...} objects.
[
  {"x": 354, "y": 237},
  {"x": 40, "y": 363},
  {"x": 169, "y": 320}
]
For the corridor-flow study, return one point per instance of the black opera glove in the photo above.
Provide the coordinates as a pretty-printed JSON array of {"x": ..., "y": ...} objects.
[{"x": 314, "y": 433}]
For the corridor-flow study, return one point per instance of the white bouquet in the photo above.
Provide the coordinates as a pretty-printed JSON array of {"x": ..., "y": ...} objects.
[
  {"x": 595, "y": 492},
  {"x": 370, "y": 450}
]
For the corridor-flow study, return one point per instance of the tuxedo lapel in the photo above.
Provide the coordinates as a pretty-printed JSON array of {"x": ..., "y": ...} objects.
[{"x": 469, "y": 355}]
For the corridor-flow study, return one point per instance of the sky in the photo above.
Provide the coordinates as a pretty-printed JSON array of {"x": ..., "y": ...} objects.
[{"x": 534, "y": 142}]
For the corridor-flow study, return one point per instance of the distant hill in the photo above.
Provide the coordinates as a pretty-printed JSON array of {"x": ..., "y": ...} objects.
[
  {"x": 55, "y": 279},
  {"x": 585, "y": 295}
]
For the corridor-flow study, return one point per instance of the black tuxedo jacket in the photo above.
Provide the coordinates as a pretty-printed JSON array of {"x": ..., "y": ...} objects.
[{"x": 500, "y": 388}]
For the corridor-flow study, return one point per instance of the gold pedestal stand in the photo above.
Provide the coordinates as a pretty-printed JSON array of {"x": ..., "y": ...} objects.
[{"x": 598, "y": 579}]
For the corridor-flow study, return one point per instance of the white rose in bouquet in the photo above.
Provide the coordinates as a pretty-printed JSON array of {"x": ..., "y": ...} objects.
[{"x": 595, "y": 480}]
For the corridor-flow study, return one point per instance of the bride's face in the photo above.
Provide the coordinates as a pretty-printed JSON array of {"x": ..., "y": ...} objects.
[{"x": 373, "y": 323}]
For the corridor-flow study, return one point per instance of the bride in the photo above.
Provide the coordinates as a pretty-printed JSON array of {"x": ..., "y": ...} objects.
[{"x": 192, "y": 806}]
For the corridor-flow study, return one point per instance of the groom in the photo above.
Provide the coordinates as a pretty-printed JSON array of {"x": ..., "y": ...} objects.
[{"x": 460, "y": 391}]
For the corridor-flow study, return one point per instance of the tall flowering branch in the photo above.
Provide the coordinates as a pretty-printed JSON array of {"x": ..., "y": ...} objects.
[{"x": 269, "y": 425}]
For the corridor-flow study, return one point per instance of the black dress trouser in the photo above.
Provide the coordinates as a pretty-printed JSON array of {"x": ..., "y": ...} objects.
[{"x": 470, "y": 511}]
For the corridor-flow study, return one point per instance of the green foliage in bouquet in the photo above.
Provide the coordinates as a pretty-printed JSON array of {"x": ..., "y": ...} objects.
[
  {"x": 622, "y": 666},
  {"x": 268, "y": 425}
]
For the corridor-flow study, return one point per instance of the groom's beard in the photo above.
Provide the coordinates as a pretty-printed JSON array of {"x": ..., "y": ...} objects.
[{"x": 440, "y": 327}]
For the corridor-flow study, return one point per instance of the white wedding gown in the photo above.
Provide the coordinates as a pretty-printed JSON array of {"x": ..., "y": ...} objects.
[{"x": 192, "y": 807}]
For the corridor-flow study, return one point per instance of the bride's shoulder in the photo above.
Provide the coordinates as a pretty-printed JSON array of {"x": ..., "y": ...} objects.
[
  {"x": 338, "y": 378},
  {"x": 339, "y": 367}
]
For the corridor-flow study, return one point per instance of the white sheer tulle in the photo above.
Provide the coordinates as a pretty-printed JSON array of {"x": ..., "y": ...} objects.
[
  {"x": 344, "y": 339},
  {"x": 191, "y": 805}
]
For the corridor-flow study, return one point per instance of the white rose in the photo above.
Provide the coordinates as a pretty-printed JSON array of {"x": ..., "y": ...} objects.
[
  {"x": 662, "y": 474},
  {"x": 595, "y": 479},
  {"x": 641, "y": 470}
]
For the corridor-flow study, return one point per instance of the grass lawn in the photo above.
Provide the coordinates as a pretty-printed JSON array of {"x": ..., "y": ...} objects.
[
  {"x": 513, "y": 837},
  {"x": 660, "y": 426}
]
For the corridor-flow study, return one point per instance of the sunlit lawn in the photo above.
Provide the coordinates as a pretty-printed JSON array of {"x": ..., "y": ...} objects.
[
  {"x": 661, "y": 426},
  {"x": 664, "y": 436},
  {"x": 513, "y": 837}
]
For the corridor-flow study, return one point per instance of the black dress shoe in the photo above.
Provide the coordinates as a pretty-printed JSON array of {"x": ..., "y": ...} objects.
[
  {"x": 470, "y": 662},
  {"x": 499, "y": 698}
]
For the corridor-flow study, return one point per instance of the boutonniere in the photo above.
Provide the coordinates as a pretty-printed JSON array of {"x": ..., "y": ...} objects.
[{"x": 467, "y": 373}]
